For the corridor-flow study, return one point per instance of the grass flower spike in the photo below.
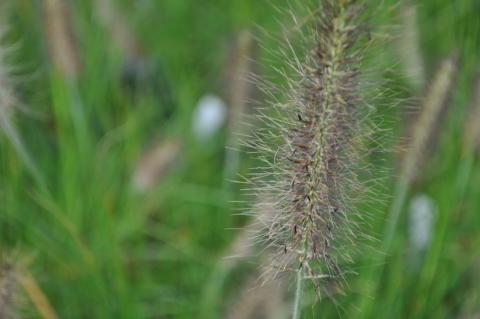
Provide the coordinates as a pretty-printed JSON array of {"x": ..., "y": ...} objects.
[{"x": 312, "y": 146}]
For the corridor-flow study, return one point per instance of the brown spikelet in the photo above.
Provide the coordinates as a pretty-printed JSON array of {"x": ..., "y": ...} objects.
[
  {"x": 425, "y": 131},
  {"x": 471, "y": 138},
  {"x": 8, "y": 290},
  {"x": 61, "y": 41},
  {"x": 311, "y": 147}
]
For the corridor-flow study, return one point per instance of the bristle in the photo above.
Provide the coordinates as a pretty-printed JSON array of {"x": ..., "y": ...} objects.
[
  {"x": 313, "y": 147},
  {"x": 425, "y": 132}
]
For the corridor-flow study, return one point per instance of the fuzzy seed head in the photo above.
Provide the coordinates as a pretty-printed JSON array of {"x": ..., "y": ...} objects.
[{"x": 314, "y": 149}]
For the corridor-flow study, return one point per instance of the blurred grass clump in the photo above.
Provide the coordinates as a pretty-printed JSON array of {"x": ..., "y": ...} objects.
[{"x": 112, "y": 207}]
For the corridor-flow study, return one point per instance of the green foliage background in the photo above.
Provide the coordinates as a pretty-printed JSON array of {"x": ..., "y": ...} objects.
[{"x": 101, "y": 249}]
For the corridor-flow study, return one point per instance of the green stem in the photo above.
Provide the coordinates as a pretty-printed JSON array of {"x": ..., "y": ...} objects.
[{"x": 298, "y": 295}]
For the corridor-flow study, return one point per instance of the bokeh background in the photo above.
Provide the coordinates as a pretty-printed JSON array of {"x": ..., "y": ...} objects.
[{"x": 119, "y": 142}]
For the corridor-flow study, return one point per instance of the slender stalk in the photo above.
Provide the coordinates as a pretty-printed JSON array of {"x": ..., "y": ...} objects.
[
  {"x": 310, "y": 147},
  {"x": 298, "y": 295}
]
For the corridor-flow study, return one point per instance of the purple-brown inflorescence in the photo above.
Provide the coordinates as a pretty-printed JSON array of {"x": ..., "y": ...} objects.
[{"x": 310, "y": 146}]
